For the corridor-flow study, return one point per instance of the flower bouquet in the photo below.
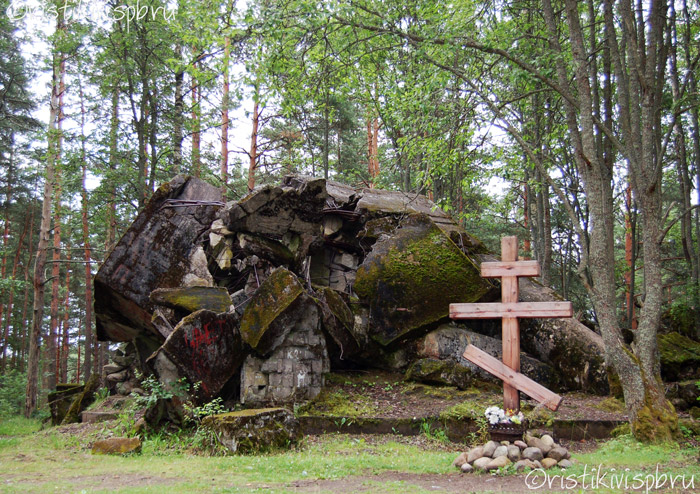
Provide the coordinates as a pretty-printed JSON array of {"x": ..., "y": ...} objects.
[{"x": 505, "y": 425}]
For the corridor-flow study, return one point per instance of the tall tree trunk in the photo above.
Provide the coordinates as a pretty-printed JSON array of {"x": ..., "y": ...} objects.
[
  {"x": 11, "y": 298},
  {"x": 65, "y": 347},
  {"x": 326, "y": 133},
  {"x": 87, "y": 253},
  {"x": 45, "y": 224},
  {"x": 52, "y": 347},
  {"x": 196, "y": 165},
  {"x": 5, "y": 243},
  {"x": 224, "y": 119},
  {"x": 153, "y": 141},
  {"x": 179, "y": 112},
  {"x": 253, "y": 144}
]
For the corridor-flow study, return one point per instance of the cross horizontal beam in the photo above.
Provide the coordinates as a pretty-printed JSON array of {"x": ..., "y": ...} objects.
[
  {"x": 495, "y": 310},
  {"x": 499, "y": 269},
  {"x": 515, "y": 379}
]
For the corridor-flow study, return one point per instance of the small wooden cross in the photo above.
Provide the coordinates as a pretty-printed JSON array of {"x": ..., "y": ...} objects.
[{"x": 509, "y": 309}]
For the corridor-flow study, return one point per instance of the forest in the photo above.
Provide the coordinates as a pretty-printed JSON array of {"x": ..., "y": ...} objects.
[{"x": 571, "y": 124}]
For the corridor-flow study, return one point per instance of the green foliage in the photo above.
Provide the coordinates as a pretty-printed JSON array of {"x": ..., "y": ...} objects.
[
  {"x": 12, "y": 393},
  {"x": 436, "y": 434}
]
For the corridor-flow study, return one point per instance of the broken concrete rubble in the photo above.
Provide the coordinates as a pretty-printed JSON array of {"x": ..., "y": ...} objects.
[{"x": 258, "y": 299}]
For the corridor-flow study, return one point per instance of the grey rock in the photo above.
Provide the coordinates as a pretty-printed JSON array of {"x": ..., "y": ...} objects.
[
  {"x": 496, "y": 463},
  {"x": 474, "y": 454},
  {"x": 467, "y": 468},
  {"x": 460, "y": 460},
  {"x": 514, "y": 453},
  {"x": 533, "y": 454},
  {"x": 489, "y": 448},
  {"x": 565, "y": 463},
  {"x": 520, "y": 444},
  {"x": 557, "y": 453},
  {"x": 547, "y": 440},
  {"x": 523, "y": 464},
  {"x": 500, "y": 451},
  {"x": 112, "y": 369},
  {"x": 481, "y": 463}
]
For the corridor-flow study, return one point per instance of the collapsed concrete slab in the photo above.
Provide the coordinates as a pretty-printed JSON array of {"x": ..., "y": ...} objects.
[{"x": 256, "y": 300}]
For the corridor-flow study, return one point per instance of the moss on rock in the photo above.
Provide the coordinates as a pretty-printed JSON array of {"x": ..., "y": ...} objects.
[
  {"x": 255, "y": 430},
  {"x": 192, "y": 299},
  {"x": 410, "y": 279},
  {"x": 276, "y": 295},
  {"x": 680, "y": 356},
  {"x": 441, "y": 372}
]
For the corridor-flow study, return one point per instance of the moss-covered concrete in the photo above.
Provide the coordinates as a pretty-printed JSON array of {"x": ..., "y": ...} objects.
[
  {"x": 192, "y": 299},
  {"x": 680, "y": 356},
  {"x": 255, "y": 430},
  {"x": 441, "y": 372},
  {"x": 277, "y": 293},
  {"x": 409, "y": 280}
]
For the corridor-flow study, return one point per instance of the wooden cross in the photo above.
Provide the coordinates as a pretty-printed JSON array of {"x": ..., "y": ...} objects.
[{"x": 509, "y": 309}]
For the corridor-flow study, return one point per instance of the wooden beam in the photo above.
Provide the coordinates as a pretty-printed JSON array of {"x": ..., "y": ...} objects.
[
  {"x": 510, "y": 336},
  {"x": 520, "y": 309},
  {"x": 497, "y": 269},
  {"x": 512, "y": 378}
]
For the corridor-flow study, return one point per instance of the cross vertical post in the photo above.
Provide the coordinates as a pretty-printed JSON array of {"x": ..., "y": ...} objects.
[
  {"x": 511, "y": 327},
  {"x": 509, "y": 310}
]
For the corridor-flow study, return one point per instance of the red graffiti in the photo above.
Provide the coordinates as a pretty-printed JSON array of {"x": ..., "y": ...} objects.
[{"x": 199, "y": 341}]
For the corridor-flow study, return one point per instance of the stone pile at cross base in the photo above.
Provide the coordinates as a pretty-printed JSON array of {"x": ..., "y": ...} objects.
[{"x": 258, "y": 299}]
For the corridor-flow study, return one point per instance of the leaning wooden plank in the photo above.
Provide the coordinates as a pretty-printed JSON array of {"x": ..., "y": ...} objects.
[
  {"x": 519, "y": 309},
  {"x": 499, "y": 269},
  {"x": 509, "y": 376}
]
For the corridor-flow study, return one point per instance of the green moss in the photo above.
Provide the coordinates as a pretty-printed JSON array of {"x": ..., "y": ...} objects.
[
  {"x": 273, "y": 297},
  {"x": 338, "y": 307},
  {"x": 621, "y": 430},
  {"x": 611, "y": 404},
  {"x": 465, "y": 410},
  {"x": 678, "y": 349},
  {"x": 421, "y": 271},
  {"x": 338, "y": 403},
  {"x": 656, "y": 421},
  {"x": 224, "y": 417},
  {"x": 193, "y": 298}
]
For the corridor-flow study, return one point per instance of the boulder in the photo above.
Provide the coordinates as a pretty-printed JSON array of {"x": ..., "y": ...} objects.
[
  {"x": 549, "y": 463},
  {"x": 489, "y": 448},
  {"x": 474, "y": 454},
  {"x": 192, "y": 299},
  {"x": 207, "y": 348},
  {"x": 500, "y": 451},
  {"x": 117, "y": 446},
  {"x": 557, "y": 453},
  {"x": 255, "y": 430},
  {"x": 448, "y": 341},
  {"x": 158, "y": 250},
  {"x": 547, "y": 440},
  {"x": 467, "y": 468},
  {"x": 523, "y": 464},
  {"x": 440, "y": 372},
  {"x": 482, "y": 463},
  {"x": 269, "y": 315},
  {"x": 565, "y": 464},
  {"x": 572, "y": 349},
  {"x": 514, "y": 453},
  {"x": 680, "y": 357},
  {"x": 460, "y": 460},
  {"x": 520, "y": 444},
  {"x": 498, "y": 462},
  {"x": 532, "y": 454},
  {"x": 410, "y": 279}
]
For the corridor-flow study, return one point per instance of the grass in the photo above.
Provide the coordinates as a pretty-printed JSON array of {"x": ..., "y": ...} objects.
[
  {"x": 59, "y": 460},
  {"x": 55, "y": 462}
]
